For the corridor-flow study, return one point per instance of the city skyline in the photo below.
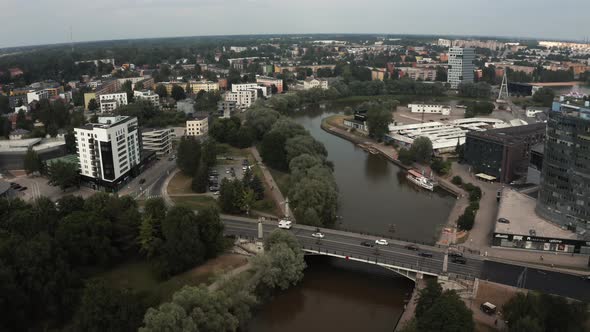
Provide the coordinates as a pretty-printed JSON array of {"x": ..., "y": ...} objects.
[{"x": 133, "y": 19}]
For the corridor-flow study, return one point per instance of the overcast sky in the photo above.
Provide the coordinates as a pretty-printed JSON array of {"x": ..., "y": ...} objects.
[{"x": 31, "y": 22}]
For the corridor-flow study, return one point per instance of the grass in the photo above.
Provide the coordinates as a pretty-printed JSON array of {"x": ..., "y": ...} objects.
[
  {"x": 267, "y": 204},
  {"x": 180, "y": 184},
  {"x": 195, "y": 202},
  {"x": 141, "y": 276}
]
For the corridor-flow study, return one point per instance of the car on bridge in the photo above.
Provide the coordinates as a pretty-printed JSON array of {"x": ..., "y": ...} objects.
[
  {"x": 455, "y": 254},
  {"x": 425, "y": 254},
  {"x": 367, "y": 244},
  {"x": 412, "y": 247},
  {"x": 285, "y": 224},
  {"x": 381, "y": 242},
  {"x": 459, "y": 260},
  {"x": 318, "y": 235}
]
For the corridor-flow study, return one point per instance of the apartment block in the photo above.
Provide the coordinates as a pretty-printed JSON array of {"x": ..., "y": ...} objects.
[
  {"x": 147, "y": 95},
  {"x": 112, "y": 101},
  {"x": 108, "y": 150},
  {"x": 197, "y": 127},
  {"x": 157, "y": 140},
  {"x": 270, "y": 82},
  {"x": 461, "y": 66}
]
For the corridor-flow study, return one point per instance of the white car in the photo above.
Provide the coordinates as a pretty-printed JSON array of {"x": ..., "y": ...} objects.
[
  {"x": 318, "y": 235},
  {"x": 381, "y": 242}
]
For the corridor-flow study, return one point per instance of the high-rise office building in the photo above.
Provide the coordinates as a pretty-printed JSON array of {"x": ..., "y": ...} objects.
[
  {"x": 564, "y": 197},
  {"x": 108, "y": 150},
  {"x": 461, "y": 66}
]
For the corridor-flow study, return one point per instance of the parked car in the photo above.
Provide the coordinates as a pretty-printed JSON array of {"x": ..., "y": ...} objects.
[
  {"x": 367, "y": 244},
  {"x": 459, "y": 260},
  {"x": 245, "y": 162},
  {"x": 213, "y": 188},
  {"x": 229, "y": 158},
  {"x": 16, "y": 186},
  {"x": 22, "y": 188},
  {"x": 412, "y": 247},
  {"x": 503, "y": 221},
  {"x": 141, "y": 181},
  {"x": 381, "y": 242},
  {"x": 318, "y": 235},
  {"x": 425, "y": 254},
  {"x": 488, "y": 308}
]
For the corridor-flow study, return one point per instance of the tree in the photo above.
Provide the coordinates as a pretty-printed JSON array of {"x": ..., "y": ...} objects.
[
  {"x": 544, "y": 96},
  {"x": 209, "y": 152},
  {"x": 421, "y": 149},
  {"x": 189, "y": 155},
  {"x": 427, "y": 297},
  {"x": 211, "y": 231},
  {"x": 93, "y": 105},
  {"x": 457, "y": 180},
  {"x": 32, "y": 162},
  {"x": 201, "y": 179},
  {"x": 466, "y": 220},
  {"x": 406, "y": 156},
  {"x": 447, "y": 314},
  {"x": 105, "y": 308},
  {"x": 161, "y": 91},
  {"x": 273, "y": 151},
  {"x": 177, "y": 92},
  {"x": 281, "y": 268},
  {"x": 182, "y": 247},
  {"x": 230, "y": 196},
  {"x": 64, "y": 175},
  {"x": 281, "y": 236},
  {"x": 127, "y": 87},
  {"x": 247, "y": 200},
  {"x": 304, "y": 144},
  {"x": 378, "y": 120}
]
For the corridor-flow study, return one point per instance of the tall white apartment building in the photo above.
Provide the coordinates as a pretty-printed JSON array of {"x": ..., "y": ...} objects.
[
  {"x": 111, "y": 101},
  {"x": 108, "y": 150},
  {"x": 157, "y": 140},
  {"x": 206, "y": 86},
  {"x": 147, "y": 95},
  {"x": 197, "y": 127},
  {"x": 461, "y": 66}
]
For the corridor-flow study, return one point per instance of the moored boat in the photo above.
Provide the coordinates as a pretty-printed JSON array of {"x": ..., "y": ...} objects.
[{"x": 420, "y": 180}]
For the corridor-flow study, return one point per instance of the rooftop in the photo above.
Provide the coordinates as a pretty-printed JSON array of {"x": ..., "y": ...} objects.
[
  {"x": 105, "y": 122},
  {"x": 509, "y": 135},
  {"x": 519, "y": 209}
]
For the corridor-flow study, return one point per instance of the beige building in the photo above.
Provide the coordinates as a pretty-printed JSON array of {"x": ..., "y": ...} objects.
[
  {"x": 312, "y": 82},
  {"x": 197, "y": 127},
  {"x": 206, "y": 86}
]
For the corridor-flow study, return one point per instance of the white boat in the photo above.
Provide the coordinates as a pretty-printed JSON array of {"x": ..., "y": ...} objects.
[{"x": 420, "y": 180}]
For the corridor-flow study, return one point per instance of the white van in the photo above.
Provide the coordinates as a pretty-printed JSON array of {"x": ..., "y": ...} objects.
[{"x": 285, "y": 224}]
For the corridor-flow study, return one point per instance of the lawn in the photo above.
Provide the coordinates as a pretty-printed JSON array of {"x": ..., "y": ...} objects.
[
  {"x": 180, "y": 184},
  {"x": 140, "y": 276},
  {"x": 195, "y": 202}
]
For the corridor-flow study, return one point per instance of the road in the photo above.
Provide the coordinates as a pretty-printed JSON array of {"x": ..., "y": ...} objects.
[
  {"x": 155, "y": 176},
  {"x": 349, "y": 244}
]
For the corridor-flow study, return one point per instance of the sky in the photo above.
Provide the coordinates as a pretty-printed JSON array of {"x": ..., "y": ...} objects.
[{"x": 33, "y": 22}]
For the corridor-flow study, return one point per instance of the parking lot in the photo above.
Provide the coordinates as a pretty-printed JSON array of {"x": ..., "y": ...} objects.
[
  {"x": 29, "y": 188},
  {"x": 230, "y": 168}
]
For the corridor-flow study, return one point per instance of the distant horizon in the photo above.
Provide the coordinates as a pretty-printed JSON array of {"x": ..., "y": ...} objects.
[
  {"x": 107, "y": 20},
  {"x": 446, "y": 36}
]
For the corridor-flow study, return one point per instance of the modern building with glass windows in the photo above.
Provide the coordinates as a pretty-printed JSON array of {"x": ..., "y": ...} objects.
[
  {"x": 564, "y": 197},
  {"x": 461, "y": 66}
]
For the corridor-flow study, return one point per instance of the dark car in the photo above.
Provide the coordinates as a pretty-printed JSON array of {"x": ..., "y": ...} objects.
[
  {"x": 425, "y": 254},
  {"x": 245, "y": 162},
  {"x": 22, "y": 188},
  {"x": 142, "y": 181},
  {"x": 367, "y": 244},
  {"x": 16, "y": 186},
  {"x": 412, "y": 247},
  {"x": 455, "y": 254},
  {"x": 459, "y": 260}
]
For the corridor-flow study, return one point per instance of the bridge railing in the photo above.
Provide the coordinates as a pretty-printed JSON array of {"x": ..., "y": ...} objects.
[
  {"x": 394, "y": 238},
  {"x": 373, "y": 259}
]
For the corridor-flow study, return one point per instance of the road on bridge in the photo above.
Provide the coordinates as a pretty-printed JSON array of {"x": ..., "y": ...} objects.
[{"x": 349, "y": 245}]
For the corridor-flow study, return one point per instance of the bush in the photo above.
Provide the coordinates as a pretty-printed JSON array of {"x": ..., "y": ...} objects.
[
  {"x": 466, "y": 220},
  {"x": 405, "y": 156},
  {"x": 457, "y": 180},
  {"x": 475, "y": 194},
  {"x": 441, "y": 167}
]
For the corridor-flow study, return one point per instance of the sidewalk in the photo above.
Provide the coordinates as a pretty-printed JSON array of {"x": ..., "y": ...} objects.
[
  {"x": 275, "y": 190},
  {"x": 558, "y": 261}
]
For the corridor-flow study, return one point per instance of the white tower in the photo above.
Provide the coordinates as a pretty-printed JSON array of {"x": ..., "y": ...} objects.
[{"x": 503, "y": 95}]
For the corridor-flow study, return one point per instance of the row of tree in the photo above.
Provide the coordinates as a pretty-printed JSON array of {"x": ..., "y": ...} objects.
[
  {"x": 194, "y": 158},
  {"x": 230, "y": 306}
]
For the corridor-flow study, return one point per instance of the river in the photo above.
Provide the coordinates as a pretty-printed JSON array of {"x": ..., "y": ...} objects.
[
  {"x": 340, "y": 295},
  {"x": 375, "y": 196},
  {"x": 337, "y": 295}
]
